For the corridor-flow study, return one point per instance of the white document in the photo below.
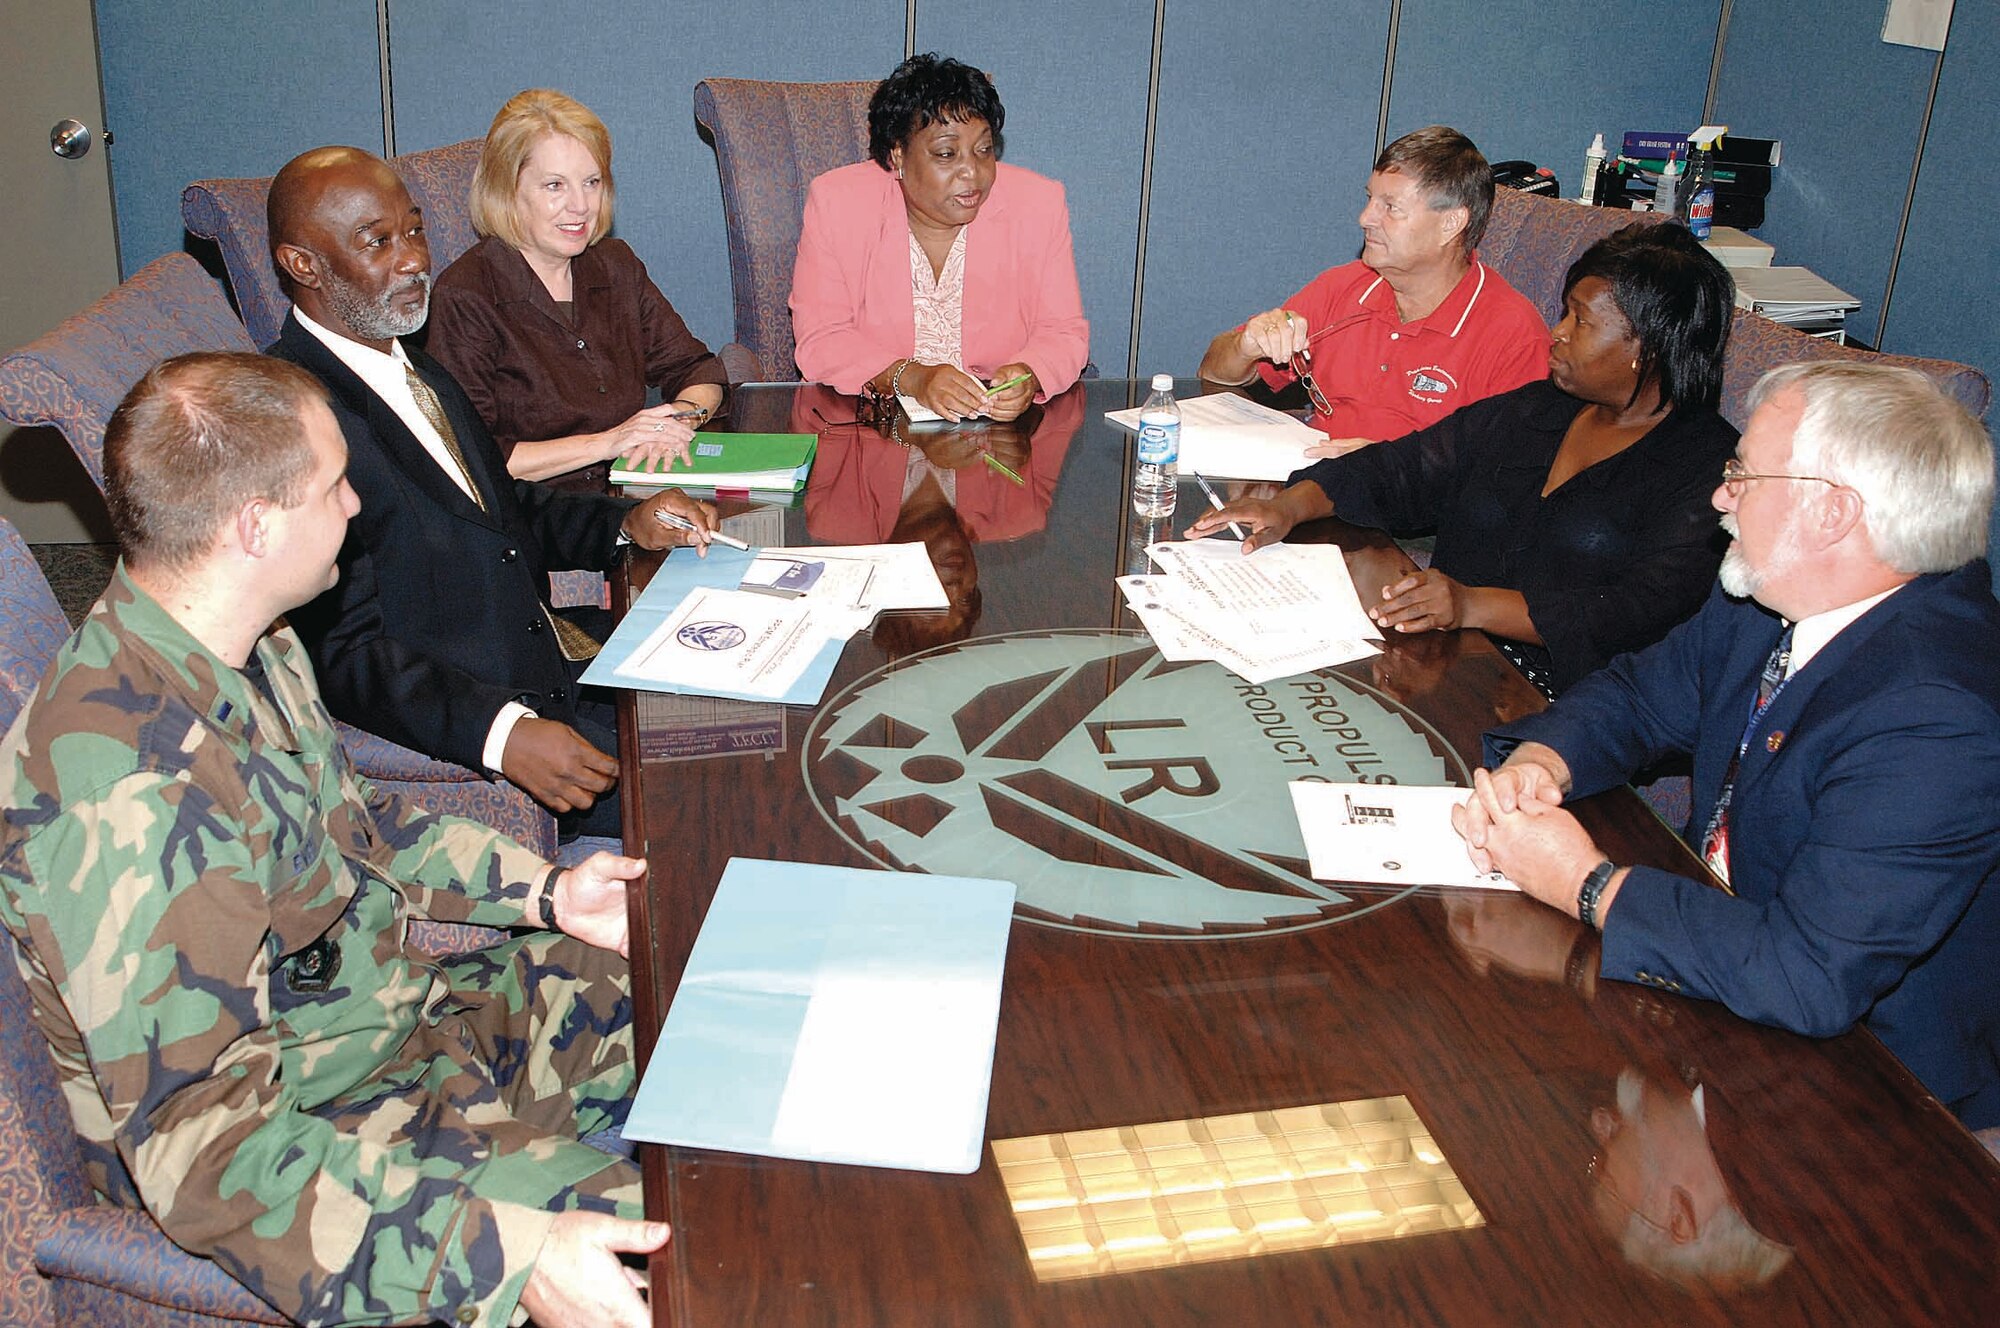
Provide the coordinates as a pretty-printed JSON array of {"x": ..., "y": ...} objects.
[
  {"x": 732, "y": 641},
  {"x": 1387, "y": 834},
  {"x": 835, "y": 1015},
  {"x": 1226, "y": 436},
  {"x": 1279, "y": 589},
  {"x": 874, "y": 577},
  {"x": 1184, "y": 627}
]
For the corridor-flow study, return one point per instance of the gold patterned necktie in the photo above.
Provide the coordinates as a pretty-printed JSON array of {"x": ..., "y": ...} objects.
[
  {"x": 575, "y": 643},
  {"x": 433, "y": 409}
]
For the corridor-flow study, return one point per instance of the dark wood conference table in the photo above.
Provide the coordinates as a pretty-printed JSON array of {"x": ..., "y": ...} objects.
[{"x": 1223, "y": 1093}]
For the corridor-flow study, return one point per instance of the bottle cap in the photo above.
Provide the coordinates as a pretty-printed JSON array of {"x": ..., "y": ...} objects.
[
  {"x": 1597, "y": 143},
  {"x": 1163, "y": 382}
]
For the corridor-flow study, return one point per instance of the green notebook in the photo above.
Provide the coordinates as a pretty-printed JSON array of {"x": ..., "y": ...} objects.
[{"x": 757, "y": 461}]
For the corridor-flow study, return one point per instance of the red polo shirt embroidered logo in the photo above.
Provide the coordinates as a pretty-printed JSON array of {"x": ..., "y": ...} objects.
[{"x": 1431, "y": 384}]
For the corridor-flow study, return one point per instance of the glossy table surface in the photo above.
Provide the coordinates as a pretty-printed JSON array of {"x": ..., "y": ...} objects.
[{"x": 1222, "y": 1092}]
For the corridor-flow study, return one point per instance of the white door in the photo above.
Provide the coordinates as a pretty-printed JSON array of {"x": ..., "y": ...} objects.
[{"x": 59, "y": 250}]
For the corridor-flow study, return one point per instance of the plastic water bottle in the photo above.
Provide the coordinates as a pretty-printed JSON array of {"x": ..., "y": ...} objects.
[
  {"x": 1153, "y": 489},
  {"x": 1666, "y": 193}
]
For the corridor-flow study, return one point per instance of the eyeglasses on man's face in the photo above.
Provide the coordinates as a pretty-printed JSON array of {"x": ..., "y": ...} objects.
[{"x": 1735, "y": 476}]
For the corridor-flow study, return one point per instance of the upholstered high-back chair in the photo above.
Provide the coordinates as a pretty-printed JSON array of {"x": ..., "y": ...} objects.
[
  {"x": 1531, "y": 240},
  {"x": 770, "y": 140},
  {"x": 231, "y": 214},
  {"x": 1756, "y": 344},
  {"x": 75, "y": 376}
]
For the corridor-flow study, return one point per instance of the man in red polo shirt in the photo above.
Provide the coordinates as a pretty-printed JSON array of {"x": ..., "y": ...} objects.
[{"x": 1414, "y": 329}]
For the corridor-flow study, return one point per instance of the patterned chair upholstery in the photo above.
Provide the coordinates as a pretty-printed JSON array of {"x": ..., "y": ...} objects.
[
  {"x": 231, "y": 214},
  {"x": 1757, "y": 344},
  {"x": 75, "y": 376},
  {"x": 770, "y": 140},
  {"x": 1531, "y": 240}
]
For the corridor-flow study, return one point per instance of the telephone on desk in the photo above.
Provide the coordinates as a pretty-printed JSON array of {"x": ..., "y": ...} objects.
[{"x": 1526, "y": 177}]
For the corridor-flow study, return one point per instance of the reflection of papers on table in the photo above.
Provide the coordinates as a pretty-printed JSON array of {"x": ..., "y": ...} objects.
[
  {"x": 834, "y": 1015},
  {"x": 1226, "y": 436},
  {"x": 686, "y": 728},
  {"x": 1283, "y": 610},
  {"x": 1387, "y": 834}
]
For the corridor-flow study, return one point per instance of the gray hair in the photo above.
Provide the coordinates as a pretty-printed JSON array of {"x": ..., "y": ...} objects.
[{"x": 1920, "y": 461}]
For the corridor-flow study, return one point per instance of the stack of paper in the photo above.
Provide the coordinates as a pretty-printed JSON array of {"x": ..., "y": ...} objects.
[
  {"x": 713, "y": 626},
  {"x": 1794, "y": 296},
  {"x": 1387, "y": 834},
  {"x": 834, "y": 1015},
  {"x": 1283, "y": 610},
  {"x": 1226, "y": 436},
  {"x": 762, "y": 462}
]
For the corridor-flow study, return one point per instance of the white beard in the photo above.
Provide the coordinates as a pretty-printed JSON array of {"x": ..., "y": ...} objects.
[{"x": 1744, "y": 581}]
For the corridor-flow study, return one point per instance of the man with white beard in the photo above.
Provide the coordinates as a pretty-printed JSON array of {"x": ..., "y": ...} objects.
[
  {"x": 1840, "y": 698},
  {"x": 439, "y": 633}
]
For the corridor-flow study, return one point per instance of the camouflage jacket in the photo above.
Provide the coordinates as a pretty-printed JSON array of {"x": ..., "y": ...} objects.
[{"x": 211, "y": 908}]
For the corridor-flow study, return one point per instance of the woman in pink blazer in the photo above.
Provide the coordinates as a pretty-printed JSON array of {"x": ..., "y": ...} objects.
[{"x": 932, "y": 271}]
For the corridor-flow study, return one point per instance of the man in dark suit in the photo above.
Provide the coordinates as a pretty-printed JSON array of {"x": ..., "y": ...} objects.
[
  {"x": 1840, "y": 699},
  {"x": 439, "y": 634}
]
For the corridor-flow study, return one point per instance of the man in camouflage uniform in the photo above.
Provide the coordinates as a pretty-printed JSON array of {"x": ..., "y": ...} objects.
[{"x": 212, "y": 912}]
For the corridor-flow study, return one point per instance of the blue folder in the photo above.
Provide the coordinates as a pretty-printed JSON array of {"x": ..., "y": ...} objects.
[
  {"x": 680, "y": 572},
  {"x": 834, "y": 1015}
]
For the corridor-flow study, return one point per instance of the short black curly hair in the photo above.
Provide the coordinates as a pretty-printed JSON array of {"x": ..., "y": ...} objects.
[{"x": 925, "y": 89}]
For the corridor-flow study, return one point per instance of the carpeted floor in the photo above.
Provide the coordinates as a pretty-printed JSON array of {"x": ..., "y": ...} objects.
[{"x": 77, "y": 573}]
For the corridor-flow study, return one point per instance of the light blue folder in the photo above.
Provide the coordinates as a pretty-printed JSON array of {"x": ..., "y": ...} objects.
[
  {"x": 834, "y": 1015},
  {"x": 680, "y": 572}
]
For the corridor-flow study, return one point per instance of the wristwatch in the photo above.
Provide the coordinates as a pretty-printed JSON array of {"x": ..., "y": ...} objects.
[
  {"x": 545, "y": 901},
  {"x": 1593, "y": 886}
]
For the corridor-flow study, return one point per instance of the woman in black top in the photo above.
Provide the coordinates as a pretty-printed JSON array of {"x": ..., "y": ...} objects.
[{"x": 1573, "y": 518}]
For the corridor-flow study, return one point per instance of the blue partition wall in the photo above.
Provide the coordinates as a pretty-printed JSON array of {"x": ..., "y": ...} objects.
[
  {"x": 1266, "y": 119},
  {"x": 1849, "y": 108},
  {"x": 1536, "y": 80},
  {"x": 635, "y": 62},
  {"x": 1265, "y": 130},
  {"x": 196, "y": 89},
  {"x": 1073, "y": 78},
  {"x": 1945, "y": 285}
]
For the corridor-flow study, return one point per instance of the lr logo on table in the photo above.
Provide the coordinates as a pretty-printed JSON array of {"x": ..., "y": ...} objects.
[{"x": 1120, "y": 792}]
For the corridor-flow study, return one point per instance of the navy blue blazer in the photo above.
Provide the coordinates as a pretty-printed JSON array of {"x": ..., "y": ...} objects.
[
  {"x": 1864, "y": 830},
  {"x": 437, "y": 619}
]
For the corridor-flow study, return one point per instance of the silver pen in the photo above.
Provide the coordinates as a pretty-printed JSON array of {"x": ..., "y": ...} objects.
[
  {"x": 679, "y": 522},
  {"x": 1214, "y": 502}
]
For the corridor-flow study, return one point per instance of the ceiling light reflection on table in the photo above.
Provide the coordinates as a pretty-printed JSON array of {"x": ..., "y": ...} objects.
[{"x": 1127, "y": 1198}]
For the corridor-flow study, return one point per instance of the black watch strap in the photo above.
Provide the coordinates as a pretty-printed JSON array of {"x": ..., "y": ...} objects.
[
  {"x": 1593, "y": 886},
  {"x": 545, "y": 902}
]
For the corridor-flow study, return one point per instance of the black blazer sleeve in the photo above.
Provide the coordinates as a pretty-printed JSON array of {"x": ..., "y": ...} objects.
[{"x": 438, "y": 617}]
